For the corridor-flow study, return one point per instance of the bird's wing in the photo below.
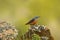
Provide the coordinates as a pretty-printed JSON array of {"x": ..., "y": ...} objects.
[{"x": 30, "y": 21}]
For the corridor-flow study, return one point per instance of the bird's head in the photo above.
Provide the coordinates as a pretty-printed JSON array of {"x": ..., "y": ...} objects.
[{"x": 36, "y": 17}]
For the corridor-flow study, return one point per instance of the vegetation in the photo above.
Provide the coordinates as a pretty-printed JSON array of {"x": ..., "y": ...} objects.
[{"x": 18, "y": 12}]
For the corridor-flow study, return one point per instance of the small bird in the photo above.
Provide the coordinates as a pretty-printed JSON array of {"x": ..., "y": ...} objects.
[{"x": 33, "y": 21}]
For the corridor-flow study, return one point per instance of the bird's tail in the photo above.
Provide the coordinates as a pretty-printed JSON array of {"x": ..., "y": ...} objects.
[{"x": 26, "y": 23}]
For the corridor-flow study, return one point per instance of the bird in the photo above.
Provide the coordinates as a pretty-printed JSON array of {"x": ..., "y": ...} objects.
[{"x": 33, "y": 20}]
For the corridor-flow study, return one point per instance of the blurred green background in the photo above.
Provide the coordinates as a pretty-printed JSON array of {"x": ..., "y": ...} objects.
[{"x": 18, "y": 12}]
